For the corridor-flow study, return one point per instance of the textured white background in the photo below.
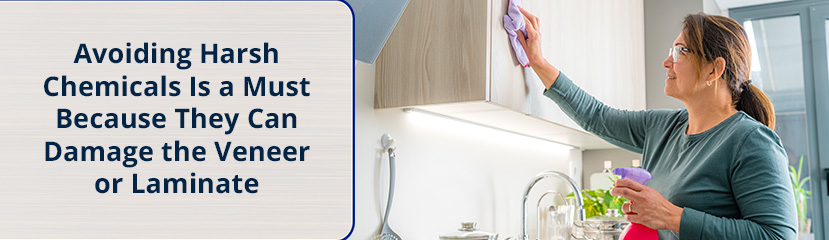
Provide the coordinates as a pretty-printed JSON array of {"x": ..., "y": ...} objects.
[{"x": 311, "y": 199}]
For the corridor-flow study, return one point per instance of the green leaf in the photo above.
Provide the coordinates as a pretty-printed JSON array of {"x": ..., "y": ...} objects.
[
  {"x": 803, "y": 181},
  {"x": 592, "y": 194},
  {"x": 608, "y": 199},
  {"x": 800, "y": 165}
]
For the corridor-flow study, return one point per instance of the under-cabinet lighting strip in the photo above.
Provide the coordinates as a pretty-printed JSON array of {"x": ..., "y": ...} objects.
[{"x": 417, "y": 110}]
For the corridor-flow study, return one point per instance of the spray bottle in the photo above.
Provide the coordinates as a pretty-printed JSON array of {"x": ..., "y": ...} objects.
[{"x": 636, "y": 231}]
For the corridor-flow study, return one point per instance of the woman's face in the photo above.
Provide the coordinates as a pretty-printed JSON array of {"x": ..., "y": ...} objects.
[{"x": 682, "y": 75}]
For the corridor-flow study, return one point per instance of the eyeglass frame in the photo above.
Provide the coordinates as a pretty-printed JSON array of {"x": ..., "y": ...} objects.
[{"x": 677, "y": 49}]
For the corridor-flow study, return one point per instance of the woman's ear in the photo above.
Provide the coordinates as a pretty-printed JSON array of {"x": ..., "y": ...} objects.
[{"x": 718, "y": 68}]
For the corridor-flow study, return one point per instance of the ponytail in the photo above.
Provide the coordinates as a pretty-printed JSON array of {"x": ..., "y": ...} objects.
[{"x": 755, "y": 103}]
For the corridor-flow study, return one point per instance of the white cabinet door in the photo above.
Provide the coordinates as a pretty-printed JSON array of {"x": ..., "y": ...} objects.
[{"x": 599, "y": 44}]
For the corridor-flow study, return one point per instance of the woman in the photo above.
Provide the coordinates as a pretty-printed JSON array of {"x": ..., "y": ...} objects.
[{"x": 719, "y": 170}]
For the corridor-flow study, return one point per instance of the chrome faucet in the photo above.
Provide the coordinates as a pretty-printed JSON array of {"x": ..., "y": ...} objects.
[{"x": 580, "y": 213}]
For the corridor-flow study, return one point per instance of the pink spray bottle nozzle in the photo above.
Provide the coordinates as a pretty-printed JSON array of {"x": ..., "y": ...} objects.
[{"x": 636, "y": 174}]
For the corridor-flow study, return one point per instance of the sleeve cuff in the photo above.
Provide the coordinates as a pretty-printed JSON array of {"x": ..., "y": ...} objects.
[
  {"x": 690, "y": 226},
  {"x": 559, "y": 87}
]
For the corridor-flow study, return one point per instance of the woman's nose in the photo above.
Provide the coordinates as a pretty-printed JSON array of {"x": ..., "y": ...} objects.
[{"x": 668, "y": 62}]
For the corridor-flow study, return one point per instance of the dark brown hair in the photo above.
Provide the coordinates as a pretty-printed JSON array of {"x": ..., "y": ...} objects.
[{"x": 710, "y": 37}]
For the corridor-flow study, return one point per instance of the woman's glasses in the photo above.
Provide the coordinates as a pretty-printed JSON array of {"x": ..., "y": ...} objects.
[{"x": 675, "y": 51}]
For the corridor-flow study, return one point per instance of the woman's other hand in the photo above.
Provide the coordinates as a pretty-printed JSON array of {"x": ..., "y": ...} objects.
[
  {"x": 647, "y": 206},
  {"x": 532, "y": 41}
]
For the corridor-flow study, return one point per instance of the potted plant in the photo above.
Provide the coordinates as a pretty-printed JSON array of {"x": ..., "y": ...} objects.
[
  {"x": 801, "y": 197},
  {"x": 597, "y": 202}
]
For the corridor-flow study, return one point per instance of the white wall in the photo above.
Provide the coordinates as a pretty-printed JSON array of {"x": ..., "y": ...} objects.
[
  {"x": 711, "y": 7},
  {"x": 663, "y": 22},
  {"x": 446, "y": 172}
]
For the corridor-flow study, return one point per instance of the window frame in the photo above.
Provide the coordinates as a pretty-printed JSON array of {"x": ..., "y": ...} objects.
[{"x": 816, "y": 89}]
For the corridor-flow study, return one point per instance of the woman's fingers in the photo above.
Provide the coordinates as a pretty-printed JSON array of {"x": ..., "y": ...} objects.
[
  {"x": 650, "y": 219},
  {"x": 627, "y": 208},
  {"x": 628, "y": 189},
  {"x": 629, "y": 184},
  {"x": 522, "y": 39},
  {"x": 634, "y": 218},
  {"x": 646, "y": 206},
  {"x": 531, "y": 31},
  {"x": 627, "y": 193},
  {"x": 525, "y": 12},
  {"x": 529, "y": 18},
  {"x": 530, "y": 38}
]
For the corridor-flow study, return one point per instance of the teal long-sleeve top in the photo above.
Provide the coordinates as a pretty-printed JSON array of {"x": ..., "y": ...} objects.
[{"x": 731, "y": 180}]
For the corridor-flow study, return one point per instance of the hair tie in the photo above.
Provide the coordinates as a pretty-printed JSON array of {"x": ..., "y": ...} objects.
[{"x": 745, "y": 84}]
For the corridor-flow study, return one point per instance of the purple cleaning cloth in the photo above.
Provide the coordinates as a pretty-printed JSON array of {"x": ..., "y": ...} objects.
[{"x": 515, "y": 21}]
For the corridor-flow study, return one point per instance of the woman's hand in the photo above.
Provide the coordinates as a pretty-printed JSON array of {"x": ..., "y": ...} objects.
[
  {"x": 532, "y": 47},
  {"x": 647, "y": 207},
  {"x": 532, "y": 41}
]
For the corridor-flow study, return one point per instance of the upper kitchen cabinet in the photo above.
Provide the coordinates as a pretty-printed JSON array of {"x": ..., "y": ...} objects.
[{"x": 454, "y": 58}]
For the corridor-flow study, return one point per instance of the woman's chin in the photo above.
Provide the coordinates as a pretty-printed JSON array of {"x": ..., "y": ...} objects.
[{"x": 668, "y": 91}]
